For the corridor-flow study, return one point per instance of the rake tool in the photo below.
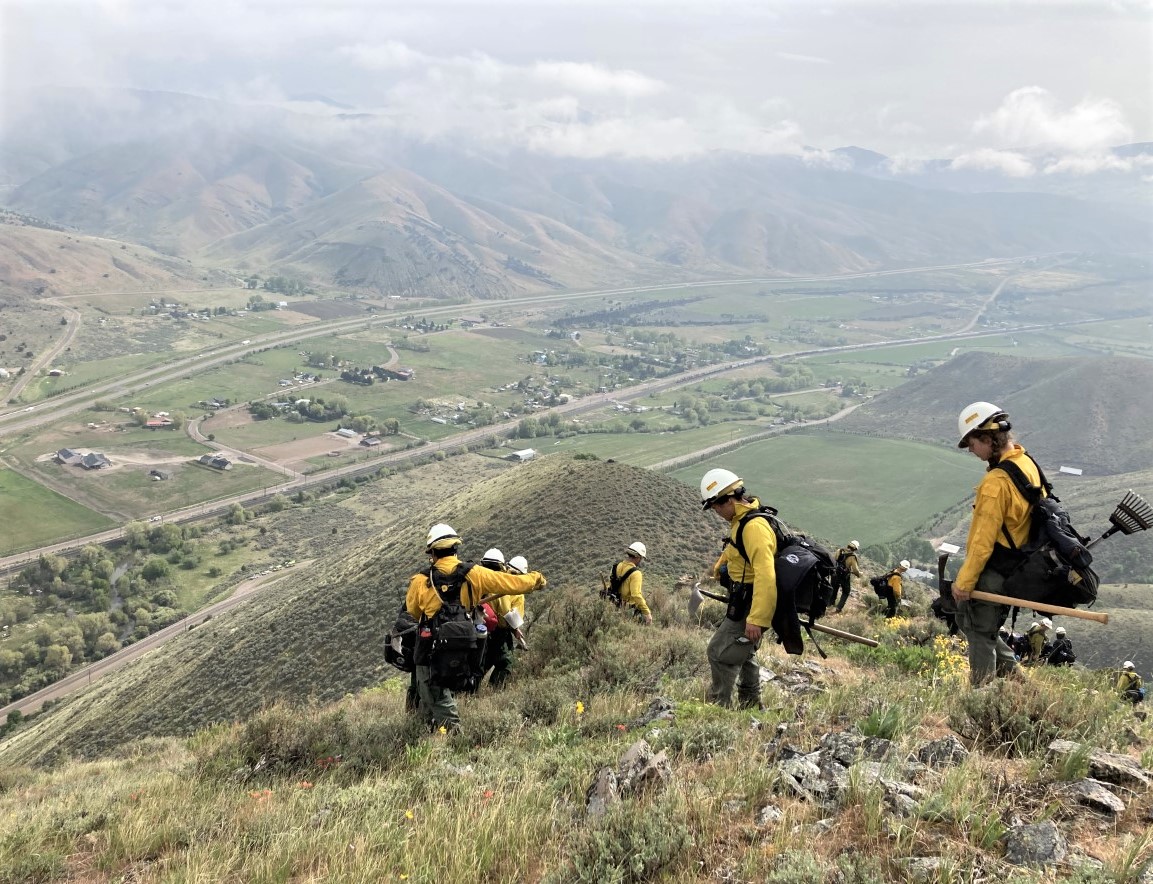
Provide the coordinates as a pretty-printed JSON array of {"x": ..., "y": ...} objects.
[{"x": 1132, "y": 514}]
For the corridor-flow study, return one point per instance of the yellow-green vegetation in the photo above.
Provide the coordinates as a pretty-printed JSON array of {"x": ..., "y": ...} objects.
[
  {"x": 357, "y": 790},
  {"x": 57, "y": 517}
]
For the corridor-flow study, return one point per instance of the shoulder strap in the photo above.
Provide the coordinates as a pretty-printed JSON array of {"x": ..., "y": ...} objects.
[
  {"x": 769, "y": 515},
  {"x": 618, "y": 579},
  {"x": 1031, "y": 493}
]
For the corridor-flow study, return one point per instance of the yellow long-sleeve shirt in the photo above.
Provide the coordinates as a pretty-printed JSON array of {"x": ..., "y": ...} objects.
[
  {"x": 631, "y": 587},
  {"x": 1128, "y": 680},
  {"x": 895, "y": 584},
  {"x": 761, "y": 547},
  {"x": 849, "y": 561},
  {"x": 998, "y": 503},
  {"x": 422, "y": 598}
]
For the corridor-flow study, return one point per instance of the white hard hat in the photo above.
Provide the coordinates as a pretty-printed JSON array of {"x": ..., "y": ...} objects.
[
  {"x": 493, "y": 555},
  {"x": 980, "y": 416},
  {"x": 441, "y": 536},
  {"x": 853, "y": 544},
  {"x": 519, "y": 564},
  {"x": 639, "y": 549},
  {"x": 1060, "y": 630},
  {"x": 716, "y": 483},
  {"x": 1046, "y": 622},
  {"x": 1128, "y": 664},
  {"x": 905, "y": 564}
]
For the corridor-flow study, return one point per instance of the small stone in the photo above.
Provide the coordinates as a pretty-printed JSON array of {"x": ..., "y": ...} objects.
[
  {"x": 1036, "y": 845},
  {"x": 1094, "y": 794}
]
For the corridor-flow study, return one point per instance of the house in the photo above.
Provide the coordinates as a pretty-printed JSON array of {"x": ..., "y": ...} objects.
[
  {"x": 216, "y": 461},
  {"x": 522, "y": 456},
  {"x": 159, "y": 475},
  {"x": 158, "y": 423},
  {"x": 68, "y": 457},
  {"x": 397, "y": 374},
  {"x": 346, "y": 433},
  {"x": 94, "y": 461}
]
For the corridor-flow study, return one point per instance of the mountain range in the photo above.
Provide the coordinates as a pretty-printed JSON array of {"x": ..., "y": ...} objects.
[{"x": 345, "y": 201}]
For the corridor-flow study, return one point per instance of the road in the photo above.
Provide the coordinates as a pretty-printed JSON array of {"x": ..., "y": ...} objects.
[{"x": 96, "y": 671}]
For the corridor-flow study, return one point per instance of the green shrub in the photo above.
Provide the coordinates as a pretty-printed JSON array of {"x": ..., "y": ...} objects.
[{"x": 634, "y": 843}]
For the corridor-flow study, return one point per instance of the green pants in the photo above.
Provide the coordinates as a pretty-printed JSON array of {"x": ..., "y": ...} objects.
[
  {"x": 732, "y": 660},
  {"x": 498, "y": 657},
  {"x": 437, "y": 704},
  {"x": 989, "y": 656}
]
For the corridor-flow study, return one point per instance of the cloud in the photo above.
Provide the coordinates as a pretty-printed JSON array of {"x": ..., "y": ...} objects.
[
  {"x": 806, "y": 59},
  {"x": 594, "y": 79},
  {"x": 1030, "y": 117},
  {"x": 1007, "y": 162}
]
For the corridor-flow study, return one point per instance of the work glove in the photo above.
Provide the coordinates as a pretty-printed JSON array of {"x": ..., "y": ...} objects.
[{"x": 541, "y": 583}]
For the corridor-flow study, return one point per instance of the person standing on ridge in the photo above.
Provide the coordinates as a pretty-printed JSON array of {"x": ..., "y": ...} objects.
[
  {"x": 1062, "y": 651},
  {"x": 999, "y": 511},
  {"x": 752, "y": 584},
  {"x": 847, "y": 569},
  {"x": 429, "y": 591},
  {"x": 627, "y": 576},
  {"x": 1129, "y": 684}
]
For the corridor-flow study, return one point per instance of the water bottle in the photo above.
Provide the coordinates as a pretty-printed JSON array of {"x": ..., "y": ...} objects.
[{"x": 481, "y": 630}]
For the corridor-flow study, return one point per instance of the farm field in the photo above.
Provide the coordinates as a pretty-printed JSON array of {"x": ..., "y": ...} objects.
[
  {"x": 835, "y": 485},
  {"x": 56, "y": 517},
  {"x": 642, "y": 449}
]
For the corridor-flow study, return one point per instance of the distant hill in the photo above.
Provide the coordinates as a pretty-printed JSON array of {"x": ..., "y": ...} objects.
[
  {"x": 320, "y": 634},
  {"x": 1095, "y": 414},
  {"x": 349, "y": 202}
]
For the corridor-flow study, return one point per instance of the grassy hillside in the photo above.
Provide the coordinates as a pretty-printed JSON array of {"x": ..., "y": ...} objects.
[
  {"x": 319, "y": 633},
  {"x": 1092, "y": 413},
  {"x": 356, "y": 791}
]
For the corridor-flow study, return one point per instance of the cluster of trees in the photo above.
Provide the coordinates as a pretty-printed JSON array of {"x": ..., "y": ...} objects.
[
  {"x": 283, "y": 285},
  {"x": 92, "y": 605},
  {"x": 318, "y": 410}
]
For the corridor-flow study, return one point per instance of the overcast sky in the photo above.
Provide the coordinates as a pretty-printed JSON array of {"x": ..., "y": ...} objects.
[{"x": 984, "y": 81}]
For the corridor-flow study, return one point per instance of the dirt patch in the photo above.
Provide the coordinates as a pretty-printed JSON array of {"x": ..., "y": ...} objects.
[
  {"x": 136, "y": 458},
  {"x": 227, "y": 420},
  {"x": 303, "y": 449}
]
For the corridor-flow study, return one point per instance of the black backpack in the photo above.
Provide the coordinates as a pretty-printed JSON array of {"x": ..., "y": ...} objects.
[
  {"x": 880, "y": 584},
  {"x": 842, "y": 568},
  {"x": 1053, "y": 565},
  {"x": 400, "y": 643},
  {"x": 804, "y": 579},
  {"x": 612, "y": 586},
  {"x": 455, "y": 646}
]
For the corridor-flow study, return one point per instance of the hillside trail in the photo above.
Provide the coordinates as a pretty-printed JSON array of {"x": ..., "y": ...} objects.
[
  {"x": 46, "y": 358},
  {"x": 96, "y": 671}
]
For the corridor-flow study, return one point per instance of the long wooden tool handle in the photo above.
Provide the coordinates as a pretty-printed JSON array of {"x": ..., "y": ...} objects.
[
  {"x": 1099, "y": 616},
  {"x": 859, "y": 639}
]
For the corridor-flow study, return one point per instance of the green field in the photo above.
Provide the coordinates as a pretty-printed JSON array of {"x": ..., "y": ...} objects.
[
  {"x": 836, "y": 486},
  {"x": 55, "y": 516}
]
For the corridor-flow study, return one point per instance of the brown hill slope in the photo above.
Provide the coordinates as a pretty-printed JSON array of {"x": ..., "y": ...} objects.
[
  {"x": 398, "y": 233},
  {"x": 320, "y": 634},
  {"x": 1092, "y": 413}
]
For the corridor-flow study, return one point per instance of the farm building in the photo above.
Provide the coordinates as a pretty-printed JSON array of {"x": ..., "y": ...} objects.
[
  {"x": 347, "y": 433},
  {"x": 216, "y": 461},
  {"x": 522, "y": 456}
]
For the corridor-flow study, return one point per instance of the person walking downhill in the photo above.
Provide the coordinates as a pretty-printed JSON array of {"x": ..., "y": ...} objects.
[
  {"x": 999, "y": 511},
  {"x": 893, "y": 597},
  {"x": 847, "y": 569},
  {"x": 628, "y": 579},
  {"x": 1038, "y": 638},
  {"x": 752, "y": 584},
  {"x": 498, "y": 647},
  {"x": 1062, "y": 652},
  {"x": 441, "y": 591}
]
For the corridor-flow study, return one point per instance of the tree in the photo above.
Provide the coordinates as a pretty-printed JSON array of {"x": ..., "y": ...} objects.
[
  {"x": 237, "y": 515},
  {"x": 155, "y": 569},
  {"x": 106, "y": 644},
  {"x": 57, "y": 658}
]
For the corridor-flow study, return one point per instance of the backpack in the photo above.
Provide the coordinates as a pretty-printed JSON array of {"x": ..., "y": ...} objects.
[
  {"x": 880, "y": 584},
  {"x": 1053, "y": 565},
  {"x": 612, "y": 586},
  {"x": 1062, "y": 653},
  {"x": 456, "y": 640},
  {"x": 804, "y": 579},
  {"x": 842, "y": 568},
  {"x": 400, "y": 643}
]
